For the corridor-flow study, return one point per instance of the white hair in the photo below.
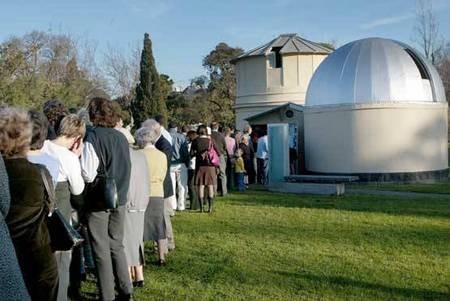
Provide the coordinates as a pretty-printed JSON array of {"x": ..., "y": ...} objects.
[{"x": 145, "y": 136}]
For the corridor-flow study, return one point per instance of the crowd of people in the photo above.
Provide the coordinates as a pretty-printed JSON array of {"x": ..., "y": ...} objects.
[{"x": 55, "y": 154}]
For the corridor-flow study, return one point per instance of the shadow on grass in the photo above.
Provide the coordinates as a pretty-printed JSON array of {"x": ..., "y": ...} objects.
[
  {"x": 393, "y": 205},
  {"x": 346, "y": 282}
]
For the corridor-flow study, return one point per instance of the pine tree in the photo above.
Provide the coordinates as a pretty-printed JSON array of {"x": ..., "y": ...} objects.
[{"x": 149, "y": 100}]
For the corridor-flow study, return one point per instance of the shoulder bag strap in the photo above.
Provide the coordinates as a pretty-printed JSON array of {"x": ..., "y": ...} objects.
[
  {"x": 100, "y": 154},
  {"x": 50, "y": 191}
]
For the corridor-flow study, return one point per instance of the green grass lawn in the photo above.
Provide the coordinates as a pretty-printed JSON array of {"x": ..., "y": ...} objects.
[
  {"x": 265, "y": 246},
  {"x": 443, "y": 187}
]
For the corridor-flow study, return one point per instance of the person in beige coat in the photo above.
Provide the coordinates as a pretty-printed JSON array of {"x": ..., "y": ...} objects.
[{"x": 155, "y": 221}]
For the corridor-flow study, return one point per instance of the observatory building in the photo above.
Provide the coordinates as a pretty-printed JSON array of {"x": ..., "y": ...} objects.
[
  {"x": 274, "y": 74},
  {"x": 375, "y": 108}
]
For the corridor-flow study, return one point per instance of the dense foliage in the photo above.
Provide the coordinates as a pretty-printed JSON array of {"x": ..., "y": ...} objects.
[
  {"x": 150, "y": 92},
  {"x": 41, "y": 66}
]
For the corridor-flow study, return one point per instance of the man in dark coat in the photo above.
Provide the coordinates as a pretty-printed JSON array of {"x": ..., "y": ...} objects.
[
  {"x": 163, "y": 145},
  {"x": 219, "y": 141}
]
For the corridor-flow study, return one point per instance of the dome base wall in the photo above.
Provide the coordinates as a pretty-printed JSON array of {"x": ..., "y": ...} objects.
[{"x": 376, "y": 140}]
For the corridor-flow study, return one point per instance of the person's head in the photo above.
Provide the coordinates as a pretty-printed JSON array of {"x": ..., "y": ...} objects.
[
  {"x": 202, "y": 130},
  {"x": 152, "y": 124},
  {"x": 55, "y": 111},
  {"x": 72, "y": 129},
  {"x": 83, "y": 113},
  {"x": 247, "y": 129},
  {"x": 173, "y": 125},
  {"x": 192, "y": 135},
  {"x": 147, "y": 136},
  {"x": 214, "y": 126},
  {"x": 101, "y": 113},
  {"x": 244, "y": 139},
  {"x": 227, "y": 132},
  {"x": 238, "y": 153},
  {"x": 160, "y": 119},
  {"x": 15, "y": 133},
  {"x": 184, "y": 129},
  {"x": 117, "y": 114},
  {"x": 39, "y": 129}
]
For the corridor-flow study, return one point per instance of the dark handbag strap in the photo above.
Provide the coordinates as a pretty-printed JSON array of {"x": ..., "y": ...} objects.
[
  {"x": 102, "y": 158},
  {"x": 50, "y": 191}
]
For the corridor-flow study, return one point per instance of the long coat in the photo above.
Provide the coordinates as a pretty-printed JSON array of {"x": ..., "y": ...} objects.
[
  {"x": 137, "y": 201},
  {"x": 163, "y": 145},
  {"x": 12, "y": 286},
  {"x": 28, "y": 229}
]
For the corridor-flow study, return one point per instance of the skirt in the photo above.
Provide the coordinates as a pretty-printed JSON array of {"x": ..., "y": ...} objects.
[
  {"x": 154, "y": 225},
  {"x": 133, "y": 237},
  {"x": 206, "y": 175}
]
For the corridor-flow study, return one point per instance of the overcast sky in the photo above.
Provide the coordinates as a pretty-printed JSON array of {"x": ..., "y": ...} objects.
[{"x": 184, "y": 31}]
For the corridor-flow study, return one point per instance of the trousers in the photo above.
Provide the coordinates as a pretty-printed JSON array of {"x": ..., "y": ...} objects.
[
  {"x": 222, "y": 176},
  {"x": 63, "y": 259},
  {"x": 106, "y": 230},
  {"x": 179, "y": 176},
  {"x": 169, "y": 231}
]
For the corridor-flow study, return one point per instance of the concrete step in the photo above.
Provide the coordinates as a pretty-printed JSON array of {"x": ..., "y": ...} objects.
[
  {"x": 308, "y": 188},
  {"x": 321, "y": 179}
]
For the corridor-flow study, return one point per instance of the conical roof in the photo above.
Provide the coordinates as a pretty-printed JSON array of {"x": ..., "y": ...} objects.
[{"x": 288, "y": 43}]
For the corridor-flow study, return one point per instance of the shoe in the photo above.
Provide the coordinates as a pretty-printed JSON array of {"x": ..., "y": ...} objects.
[
  {"x": 138, "y": 283},
  {"x": 210, "y": 205},
  {"x": 75, "y": 293},
  {"x": 201, "y": 204},
  {"x": 125, "y": 297},
  {"x": 162, "y": 263}
]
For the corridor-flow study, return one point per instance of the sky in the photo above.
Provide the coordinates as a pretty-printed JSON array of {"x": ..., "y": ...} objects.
[{"x": 184, "y": 31}]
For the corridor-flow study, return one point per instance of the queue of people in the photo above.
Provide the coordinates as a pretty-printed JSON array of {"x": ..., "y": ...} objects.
[{"x": 117, "y": 189}]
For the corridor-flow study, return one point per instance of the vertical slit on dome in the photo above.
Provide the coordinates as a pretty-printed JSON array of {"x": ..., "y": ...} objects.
[{"x": 420, "y": 65}]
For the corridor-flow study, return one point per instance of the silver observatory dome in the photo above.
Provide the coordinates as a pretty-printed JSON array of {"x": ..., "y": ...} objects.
[{"x": 375, "y": 71}]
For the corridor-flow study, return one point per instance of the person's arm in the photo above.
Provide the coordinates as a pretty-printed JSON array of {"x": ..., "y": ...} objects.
[
  {"x": 76, "y": 181},
  {"x": 89, "y": 162},
  {"x": 193, "y": 150},
  {"x": 214, "y": 145}
]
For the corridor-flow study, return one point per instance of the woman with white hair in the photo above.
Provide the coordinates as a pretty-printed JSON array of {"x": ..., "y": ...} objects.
[
  {"x": 137, "y": 202},
  {"x": 154, "y": 225}
]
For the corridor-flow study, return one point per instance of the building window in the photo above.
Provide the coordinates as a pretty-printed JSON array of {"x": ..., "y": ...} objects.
[
  {"x": 275, "y": 60},
  {"x": 289, "y": 114}
]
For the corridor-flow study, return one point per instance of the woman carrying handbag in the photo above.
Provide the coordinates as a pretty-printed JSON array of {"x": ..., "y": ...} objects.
[
  {"x": 26, "y": 219},
  {"x": 207, "y": 160},
  {"x": 106, "y": 167}
]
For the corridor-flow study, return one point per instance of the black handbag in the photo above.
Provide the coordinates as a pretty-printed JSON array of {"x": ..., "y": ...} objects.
[
  {"x": 63, "y": 237},
  {"x": 102, "y": 192}
]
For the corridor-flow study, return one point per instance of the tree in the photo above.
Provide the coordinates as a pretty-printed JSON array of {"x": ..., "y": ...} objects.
[
  {"x": 122, "y": 72},
  {"x": 330, "y": 45},
  {"x": 149, "y": 100},
  {"x": 41, "y": 66},
  {"x": 427, "y": 30},
  {"x": 222, "y": 81}
]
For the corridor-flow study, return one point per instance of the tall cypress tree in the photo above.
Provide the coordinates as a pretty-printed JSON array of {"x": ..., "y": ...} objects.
[{"x": 149, "y": 100}]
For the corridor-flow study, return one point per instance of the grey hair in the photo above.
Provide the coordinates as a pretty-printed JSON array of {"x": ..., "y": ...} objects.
[
  {"x": 152, "y": 124},
  {"x": 247, "y": 128},
  {"x": 146, "y": 135},
  {"x": 83, "y": 113}
]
